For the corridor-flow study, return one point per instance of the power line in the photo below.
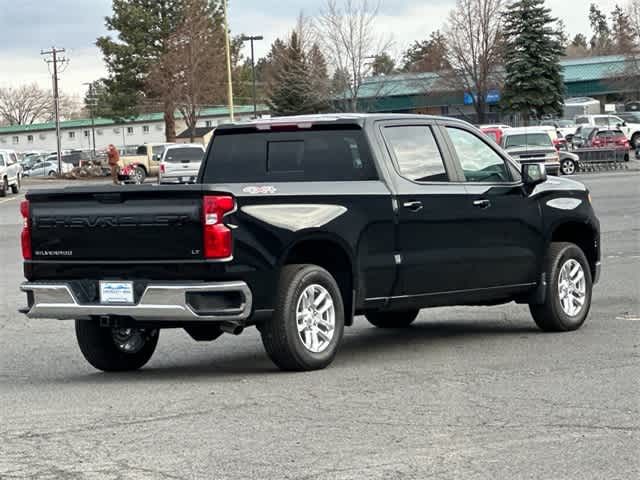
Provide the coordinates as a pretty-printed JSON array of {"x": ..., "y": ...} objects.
[{"x": 53, "y": 60}]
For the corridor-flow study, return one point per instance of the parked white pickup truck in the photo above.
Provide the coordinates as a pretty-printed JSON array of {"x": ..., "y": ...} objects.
[
  {"x": 630, "y": 130},
  {"x": 10, "y": 172}
]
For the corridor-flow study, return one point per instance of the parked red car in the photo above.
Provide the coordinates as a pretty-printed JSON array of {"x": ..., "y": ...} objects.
[{"x": 609, "y": 139}]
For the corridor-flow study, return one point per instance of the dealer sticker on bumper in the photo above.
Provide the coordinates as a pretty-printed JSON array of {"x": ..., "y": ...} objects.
[{"x": 116, "y": 292}]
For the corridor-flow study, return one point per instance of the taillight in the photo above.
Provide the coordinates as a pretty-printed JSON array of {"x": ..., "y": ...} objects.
[
  {"x": 25, "y": 237},
  {"x": 218, "y": 242},
  {"x": 162, "y": 168}
]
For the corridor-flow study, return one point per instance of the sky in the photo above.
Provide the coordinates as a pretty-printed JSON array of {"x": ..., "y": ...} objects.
[{"x": 28, "y": 26}]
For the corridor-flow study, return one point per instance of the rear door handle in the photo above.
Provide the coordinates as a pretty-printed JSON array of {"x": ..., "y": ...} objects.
[
  {"x": 483, "y": 203},
  {"x": 414, "y": 205}
]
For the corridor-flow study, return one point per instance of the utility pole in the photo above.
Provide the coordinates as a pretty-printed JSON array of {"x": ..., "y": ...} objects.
[
  {"x": 92, "y": 104},
  {"x": 228, "y": 51},
  {"x": 52, "y": 58},
  {"x": 244, "y": 38}
]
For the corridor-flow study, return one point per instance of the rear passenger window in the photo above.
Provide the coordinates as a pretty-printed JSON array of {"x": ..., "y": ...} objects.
[{"x": 416, "y": 152}]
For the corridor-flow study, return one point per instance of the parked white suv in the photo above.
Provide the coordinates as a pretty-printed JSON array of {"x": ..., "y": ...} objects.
[
  {"x": 630, "y": 130},
  {"x": 10, "y": 172},
  {"x": 180, "y": 163}
]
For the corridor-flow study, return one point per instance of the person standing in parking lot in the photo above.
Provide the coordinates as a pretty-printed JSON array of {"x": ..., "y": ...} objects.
[{"x": 113, "y": 157}]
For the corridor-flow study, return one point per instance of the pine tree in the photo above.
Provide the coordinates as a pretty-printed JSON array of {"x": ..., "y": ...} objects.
[
  {"x": 143, "y": 29},
  {"x": 382, "y": 64},
  {"x": 601, "y": 40},
  {"x": 427, "y": 56},
  {"x": 533, "y": 77},
  {"x": 297, "y": 80},
  {"x": 622, "y": 32},
  {"x": 290, "y": 82}
]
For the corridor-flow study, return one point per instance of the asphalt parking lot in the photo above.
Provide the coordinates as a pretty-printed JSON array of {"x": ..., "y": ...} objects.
[{"x": 466, "y": 393}]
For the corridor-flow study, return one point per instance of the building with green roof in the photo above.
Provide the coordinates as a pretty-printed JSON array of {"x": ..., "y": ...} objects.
[{"x": 610, "y": 79}]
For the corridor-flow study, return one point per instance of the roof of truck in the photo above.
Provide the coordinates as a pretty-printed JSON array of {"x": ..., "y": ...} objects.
[{"x": 306, "y": 121}]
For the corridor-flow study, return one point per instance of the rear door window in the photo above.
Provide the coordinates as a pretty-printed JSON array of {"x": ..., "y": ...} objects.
[
  {"x": 416, "y": 153},
  {"x": 314, "y": 155}
]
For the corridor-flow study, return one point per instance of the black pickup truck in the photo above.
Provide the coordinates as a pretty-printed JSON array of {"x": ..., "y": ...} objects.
[{"x": 296, "y": 225}]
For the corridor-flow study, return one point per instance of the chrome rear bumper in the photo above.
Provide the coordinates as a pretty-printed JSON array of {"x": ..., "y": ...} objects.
[{"x": 159, "y": 302}]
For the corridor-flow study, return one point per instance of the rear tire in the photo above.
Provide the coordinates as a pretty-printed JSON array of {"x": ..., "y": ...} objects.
[
  {"x": 4, "y": 187},
  {"x": 138, "y": 175},
  {"x": 568, "y": 167},
  {"x": 107, "y": 348},
  {"x": 392, "y": 319},
  {"x": 16, "y": 187},
  {"x": 562, "y": 310},
  {"x": 308, "y": 303}
]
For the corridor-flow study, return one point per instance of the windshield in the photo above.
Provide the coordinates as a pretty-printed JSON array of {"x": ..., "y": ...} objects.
[
  {"x": 566, "y": 123},
  {"x": 528, "y": 140},
  {"x": 184, "y": 155}
]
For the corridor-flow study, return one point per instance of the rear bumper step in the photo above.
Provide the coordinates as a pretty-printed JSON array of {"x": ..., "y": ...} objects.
[{"x": 207, "y": 302}]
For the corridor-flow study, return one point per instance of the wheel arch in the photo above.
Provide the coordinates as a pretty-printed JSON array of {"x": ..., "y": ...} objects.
[
  {"x": 581, "y": 234},
  {"x": 334, "y": 255}
]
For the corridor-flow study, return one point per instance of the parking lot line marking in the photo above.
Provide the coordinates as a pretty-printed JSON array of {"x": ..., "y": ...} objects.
[
  {"x": 629, "y": 318},
  {"x": 8, "y": 200}
]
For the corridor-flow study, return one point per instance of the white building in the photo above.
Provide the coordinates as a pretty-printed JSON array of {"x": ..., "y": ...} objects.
[{"x": 77, "y": 135}]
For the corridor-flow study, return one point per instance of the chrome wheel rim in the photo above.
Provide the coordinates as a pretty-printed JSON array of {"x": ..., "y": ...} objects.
[
  {"x": 568, "y": 168},
  {"x": 315, "y": 318},
  {"x": 129, "y": 340},
  {"x": 572, "y": 287}
]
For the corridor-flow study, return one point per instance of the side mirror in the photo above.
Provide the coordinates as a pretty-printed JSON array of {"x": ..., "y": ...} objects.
[
  {"x": 158, "y": 157},
  {"x": 534, "y": 173}
]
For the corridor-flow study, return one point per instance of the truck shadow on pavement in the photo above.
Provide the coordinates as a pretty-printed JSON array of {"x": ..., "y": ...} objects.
[{"x": 359, "y": 346}]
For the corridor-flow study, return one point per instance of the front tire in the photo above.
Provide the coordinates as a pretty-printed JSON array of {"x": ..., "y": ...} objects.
[
  {"x": 568, "y": 290},
  {"x": 392, "y": 319},
  {"x": 115, "y": 349},
  {"x": 308, "y": 322}
]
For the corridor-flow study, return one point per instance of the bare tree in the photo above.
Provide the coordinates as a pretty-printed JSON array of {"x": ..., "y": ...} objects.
[
  {"x": 191, "y": 73},
  {"x": 25, "y": 105},
  {"x": 349, "y": 37},
  {"x": 474, "y": 40}
]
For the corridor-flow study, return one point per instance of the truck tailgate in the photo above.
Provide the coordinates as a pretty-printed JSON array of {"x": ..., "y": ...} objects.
[{"x": 106, "y": 223}]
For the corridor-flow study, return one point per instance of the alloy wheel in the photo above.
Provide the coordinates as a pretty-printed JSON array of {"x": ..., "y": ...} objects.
[
  {"x": 572, "y": 287},
  {"x": 315, "y": 318}
]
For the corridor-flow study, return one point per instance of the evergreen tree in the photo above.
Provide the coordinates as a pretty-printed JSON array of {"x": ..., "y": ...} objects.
[
  {"x": 533, "y": 77},
  {"x": 382, "y": 64},
  {"x": 290, "y": 86},
  {"x": 601, "y": 39},
  {"x": 296, "y": 77},
  {"x": 143, "y": 29},
  {"x": 622, "y": 32},
  {"x": 427, "y": 56}
]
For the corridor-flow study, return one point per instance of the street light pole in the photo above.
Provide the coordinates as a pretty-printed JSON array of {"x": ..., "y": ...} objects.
[
  {"x": 92, "y": 103},
  {"x": 228, "y": 52},
  {"x": 244, "y": 38}
]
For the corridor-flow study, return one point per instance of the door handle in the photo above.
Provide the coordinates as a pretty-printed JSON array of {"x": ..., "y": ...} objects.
[
  {"x": 414, "y": 205},
  {"x": 483, "y": 203}
]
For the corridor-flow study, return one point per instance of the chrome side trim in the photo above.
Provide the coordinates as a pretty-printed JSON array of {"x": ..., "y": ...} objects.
[{"x": 159, "y": 302}]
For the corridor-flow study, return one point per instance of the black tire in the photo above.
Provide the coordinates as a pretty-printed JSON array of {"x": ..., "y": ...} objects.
[
  {"x": 550, "y": 315},
  {"x": 392, "y": 319},
  {"x": 4, "y": 187},
  {"x": 635, "y": 140},
  {"x": 568, "y": 167},
  {"x": 99, "y": 348},
  {"x": 16, "y": 188},
  {"x": 52, "y": 173},
  {"x": 280, "y": 335},
  {"x": 139, "y": 175}
]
